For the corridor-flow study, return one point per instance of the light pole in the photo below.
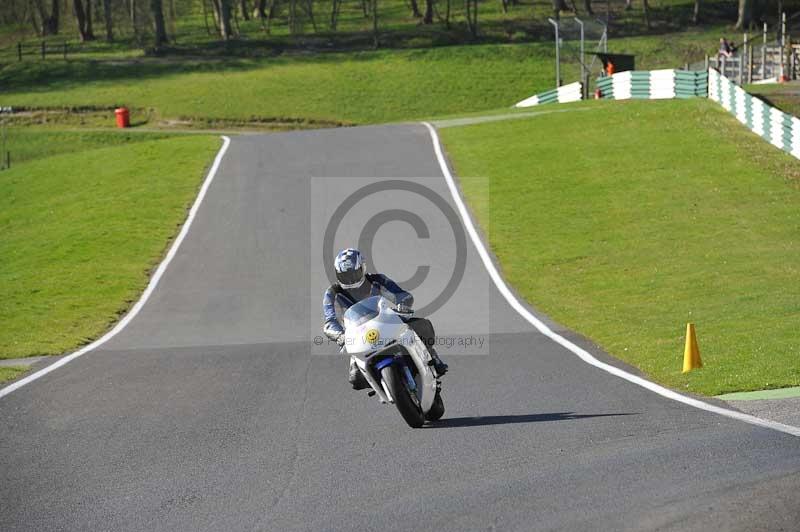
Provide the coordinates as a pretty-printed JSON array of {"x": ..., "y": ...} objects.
[{"x": 558, "y": 58}]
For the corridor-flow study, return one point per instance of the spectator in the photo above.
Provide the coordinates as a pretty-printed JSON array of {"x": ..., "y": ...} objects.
[{"x": 725, "y": 49}]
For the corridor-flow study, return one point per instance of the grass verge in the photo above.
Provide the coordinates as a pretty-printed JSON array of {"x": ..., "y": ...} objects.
[
  {"x": 784, "y": 96},
  {"x": 80, "y": 231},
  {"x": 626, "y": 222},
  {"x": 8, "y": 373}
]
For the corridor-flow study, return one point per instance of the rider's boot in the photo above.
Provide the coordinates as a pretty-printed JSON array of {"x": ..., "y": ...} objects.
[
  {"x": 357, "y": 380},
  {"x": 439, "y": 367}
]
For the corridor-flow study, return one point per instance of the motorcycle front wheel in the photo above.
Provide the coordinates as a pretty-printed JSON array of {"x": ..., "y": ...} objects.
[
  {"x": 437, "y": 408},
  {"x": 406, "y": 403}
]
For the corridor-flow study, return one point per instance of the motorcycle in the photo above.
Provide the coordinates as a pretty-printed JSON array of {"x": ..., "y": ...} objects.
[{"x": 393, "y": 359}]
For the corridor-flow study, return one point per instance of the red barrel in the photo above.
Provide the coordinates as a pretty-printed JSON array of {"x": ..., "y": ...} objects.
[{"x": 123, "y": 117}]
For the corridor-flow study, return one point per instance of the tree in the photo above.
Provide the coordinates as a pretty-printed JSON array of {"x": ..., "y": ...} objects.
[
  {"x": 646, "y": 13},
  {"x": 225, "y": 28},
  {"x": 84, "y": 20},
  {"x": 245, "y": 9},
  {"x": 471, "y": 12},
  {"x": 375, "y": 24},
  {"x": 587, "y": 5},
  {"x": 261, "y": 9},
  {"x": 49, "y": 21},
  {"x": 428, "y": 18},
  {"x": 415, "y": 9},
  {"x": 745, "y": 14},
  {"x": 223, "y": 17},
  {"x": 558, "y": 7},
  {"x": 157, "y": 11},
  {"x": 89, "y": 17},
  {"x": 108, "y": 20}
]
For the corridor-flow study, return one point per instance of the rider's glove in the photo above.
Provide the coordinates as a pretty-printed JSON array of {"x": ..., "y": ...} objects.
[
  {"x": 402, "y": 308},
  {"x": 340, "y": 340}
]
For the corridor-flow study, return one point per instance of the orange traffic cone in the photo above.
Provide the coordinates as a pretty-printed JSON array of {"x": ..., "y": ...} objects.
[{"x": 691, "y": 353}]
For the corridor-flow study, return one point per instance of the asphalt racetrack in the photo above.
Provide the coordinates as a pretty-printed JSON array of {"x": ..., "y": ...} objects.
[{"x": 217, "y": 408}]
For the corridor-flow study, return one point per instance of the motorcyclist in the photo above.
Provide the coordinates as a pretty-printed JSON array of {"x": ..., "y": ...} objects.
[{"x": 352, "y": 285}]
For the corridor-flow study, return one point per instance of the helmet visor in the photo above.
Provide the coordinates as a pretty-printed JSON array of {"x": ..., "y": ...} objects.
[{"x": 351, "y": 277}]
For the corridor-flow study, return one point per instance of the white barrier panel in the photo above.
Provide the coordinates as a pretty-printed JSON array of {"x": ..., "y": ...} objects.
[
  {"x": 570, "y": 93},
  {"x": 725, "y": 97},
  {"x": 567, "y": 93},
  {"x": 528, "y": 102},
  {"x": 740, "y": 105},
  {"x": 621, "y": 85},
  {"x": 796, "y": 137},
  {"x": 662, "y": 84},
  {"x": 713, "y": 81},
  {"x": 776, "y": 129},
  {"x": 758, "y": 116}
]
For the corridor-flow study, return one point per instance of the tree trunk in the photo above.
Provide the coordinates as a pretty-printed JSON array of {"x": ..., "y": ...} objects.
[
  {"x": 245, "y": 9},
  {"x": 376, "y": 42},
  {"x": 310, "y": 13},
  {"x": 157, "y": 11},
  {"x": 261, "y": 9},
  {"x": 108, "y": 20},
  {"x": 35, "y": 23},
  {"x": 471, "y": 10},
  {"x": 225, "y": 27},
  {"x": 134, "y": 20},
  {"x": 745, "y": 14},
  {"x": 573, "y": 7},
  {"x": 89, "y": 27},
  {"x": 415, "y": 9},
  {"x": 273, "y": 8},
  {"x": 558, "y": 7},
  {"x": 173, "y": 17},
  {"x": 49, "y": 21},
  {"x": 80, "y": 16},
  {"x": 335, "y": 4},
  {"x": 428, "y": 18},
  {"x": 628, "y": 5},
  {"x": 587, "y": 5},
  {"x": 646, "y": 13}
]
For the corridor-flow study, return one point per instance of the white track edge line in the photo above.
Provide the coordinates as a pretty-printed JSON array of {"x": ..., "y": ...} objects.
[
  {"x": 546, "y": 331},
  {"x": 151, "y": 286}
]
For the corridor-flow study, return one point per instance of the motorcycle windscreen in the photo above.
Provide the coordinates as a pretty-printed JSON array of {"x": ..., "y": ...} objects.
[{"x": 362, "y": 312}]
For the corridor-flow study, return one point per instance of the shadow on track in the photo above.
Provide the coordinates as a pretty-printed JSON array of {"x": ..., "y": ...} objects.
[{"x": 508, "y": 420}]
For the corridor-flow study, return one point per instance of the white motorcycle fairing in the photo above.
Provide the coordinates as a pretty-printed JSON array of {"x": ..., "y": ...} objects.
[{"x": 375, "y": 337}]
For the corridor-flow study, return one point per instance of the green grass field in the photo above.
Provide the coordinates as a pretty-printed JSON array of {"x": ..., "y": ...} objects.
[
  {"x": 627, "y": 221},
  {"x": 83, "y": 219},
  {"x": 321, "y": 89}
]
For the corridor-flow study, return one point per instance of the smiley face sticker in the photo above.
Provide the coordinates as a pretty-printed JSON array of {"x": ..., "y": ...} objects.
[{"x": 372, "y": 336}]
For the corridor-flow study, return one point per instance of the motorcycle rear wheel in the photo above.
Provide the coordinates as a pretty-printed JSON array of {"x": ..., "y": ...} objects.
[{"x": 408, "y": 408}]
